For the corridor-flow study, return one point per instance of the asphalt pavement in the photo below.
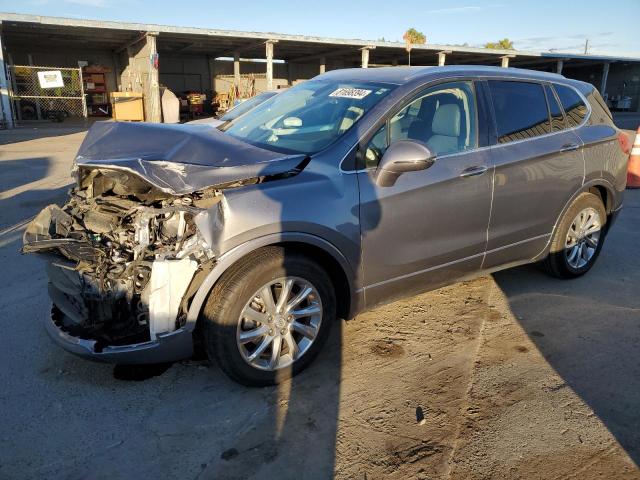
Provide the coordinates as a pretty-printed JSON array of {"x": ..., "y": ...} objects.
[{"x": 514, "y": 375}]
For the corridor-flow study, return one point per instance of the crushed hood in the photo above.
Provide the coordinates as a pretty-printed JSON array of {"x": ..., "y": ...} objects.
[{"x": 179, "y": 159}]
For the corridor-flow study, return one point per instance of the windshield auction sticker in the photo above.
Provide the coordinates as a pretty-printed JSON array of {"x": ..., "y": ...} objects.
[{"x": 356, "y": 93}]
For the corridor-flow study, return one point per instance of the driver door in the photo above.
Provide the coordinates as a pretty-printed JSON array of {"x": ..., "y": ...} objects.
[{"x": 430, "y": 228}]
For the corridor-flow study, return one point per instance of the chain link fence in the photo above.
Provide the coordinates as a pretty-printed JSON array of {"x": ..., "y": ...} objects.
[{"x": 47, "y": 92}]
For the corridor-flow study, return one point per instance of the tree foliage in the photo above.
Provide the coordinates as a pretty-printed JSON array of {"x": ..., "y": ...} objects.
[
  {"x": 504, "y": 44},
  {"x": 414, "y": 37}
]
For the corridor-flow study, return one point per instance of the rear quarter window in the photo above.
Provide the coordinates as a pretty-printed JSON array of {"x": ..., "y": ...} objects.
[
  {"x": 574, "y": 107},
  {"x": 520, "y": 110}
]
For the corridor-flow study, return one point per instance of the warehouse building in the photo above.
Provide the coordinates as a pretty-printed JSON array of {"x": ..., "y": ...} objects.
[{"x": 51, "y": 64}]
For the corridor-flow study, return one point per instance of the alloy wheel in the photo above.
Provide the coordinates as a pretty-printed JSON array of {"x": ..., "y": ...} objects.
[
  {"x": 279, "y": 324},
  {"x": 583, "y": 238}
]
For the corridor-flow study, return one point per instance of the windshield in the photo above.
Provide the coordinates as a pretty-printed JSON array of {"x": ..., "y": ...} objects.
[
  {"x": 245, "y": 106},
  {"x": 307, "y": 117}
]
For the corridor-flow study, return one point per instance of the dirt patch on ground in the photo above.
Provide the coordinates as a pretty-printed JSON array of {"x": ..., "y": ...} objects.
[{"x": 386, "y": 348}]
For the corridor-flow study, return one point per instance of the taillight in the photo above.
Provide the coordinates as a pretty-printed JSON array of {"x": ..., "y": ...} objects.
[{"x": 625, "y": 143}]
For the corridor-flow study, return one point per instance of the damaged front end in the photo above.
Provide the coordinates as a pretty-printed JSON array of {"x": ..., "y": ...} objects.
[{"x": 122, "y": 255}]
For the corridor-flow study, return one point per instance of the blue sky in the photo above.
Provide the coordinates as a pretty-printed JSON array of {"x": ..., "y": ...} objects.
[{"x": 611, "y": 27}]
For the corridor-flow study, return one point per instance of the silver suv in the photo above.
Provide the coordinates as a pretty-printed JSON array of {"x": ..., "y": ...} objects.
[{"x": 349, "y": 190}]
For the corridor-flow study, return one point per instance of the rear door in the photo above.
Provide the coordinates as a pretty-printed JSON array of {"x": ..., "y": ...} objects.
[{"x": 538, "y": 164}]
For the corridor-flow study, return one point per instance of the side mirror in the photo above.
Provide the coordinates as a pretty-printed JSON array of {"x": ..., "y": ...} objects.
[{"x": 403, "y": 156}]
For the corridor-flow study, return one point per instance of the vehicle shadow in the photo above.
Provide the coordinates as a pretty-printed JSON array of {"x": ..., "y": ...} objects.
[
  {"x": 16, "y": 173},
  {"x": 588, "y": 329},
  {"x": 18, "y": 202},
  {"x": 34, "y": 130},
  {"x": 21, "y": 207},
  {"x": 287, "y": 431},
  {"x": 297, "y": 438},
  {"x": 293, "y": 434}
]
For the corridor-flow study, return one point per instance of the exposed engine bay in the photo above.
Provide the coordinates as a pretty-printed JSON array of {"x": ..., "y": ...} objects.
[
  {"x": 122, "y": 256},
  {"x": 141, "y": 230}
]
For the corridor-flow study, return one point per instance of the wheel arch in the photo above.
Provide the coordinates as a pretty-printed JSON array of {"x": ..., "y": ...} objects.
[
  {"x": 330, "y": 258},
  {"x": 605, "y": 195},
  {"x": 600, "y": 187}
]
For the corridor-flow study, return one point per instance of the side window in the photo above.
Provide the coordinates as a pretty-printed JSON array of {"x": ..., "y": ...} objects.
[
  {"x": 574, "y": 107},
  {"x": 443, "y": 117},
  {"x": 557, "y": 118},
  {"x": 520, "y": 109}
]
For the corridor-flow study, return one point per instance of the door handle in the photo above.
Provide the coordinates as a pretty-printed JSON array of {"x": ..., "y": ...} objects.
[
  {"x": 473, "y": 171},
  {"x": 570, "y": 147}
]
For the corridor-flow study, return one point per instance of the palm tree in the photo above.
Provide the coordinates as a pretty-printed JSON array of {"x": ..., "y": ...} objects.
[
  {"x": 413, "y": 37},
  {"x": 504, "y": 44}
]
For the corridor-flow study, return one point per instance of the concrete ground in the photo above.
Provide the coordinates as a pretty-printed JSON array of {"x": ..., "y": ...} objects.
[{"x": 515, "y": 375}]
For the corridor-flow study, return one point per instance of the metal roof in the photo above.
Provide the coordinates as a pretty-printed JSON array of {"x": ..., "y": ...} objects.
[{"x": 23, "y": 29}]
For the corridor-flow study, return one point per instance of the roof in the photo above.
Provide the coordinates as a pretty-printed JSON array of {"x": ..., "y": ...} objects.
[
  {"x": 401, "y": 75},
  {"x": 23, "y": 28}
]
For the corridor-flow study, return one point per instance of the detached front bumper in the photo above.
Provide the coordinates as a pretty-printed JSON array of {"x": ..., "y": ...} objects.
[{"x": 167, "y": 347}]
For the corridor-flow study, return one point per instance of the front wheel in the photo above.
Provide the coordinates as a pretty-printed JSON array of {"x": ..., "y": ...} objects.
[
  {"x": 578, "y": 239},
  {"x": 268, "y": 317}
]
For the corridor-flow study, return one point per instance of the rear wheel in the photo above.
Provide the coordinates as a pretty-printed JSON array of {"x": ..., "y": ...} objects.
[
  {"x": 267, "y": 317},
  {"x": 578, "y": 239}
]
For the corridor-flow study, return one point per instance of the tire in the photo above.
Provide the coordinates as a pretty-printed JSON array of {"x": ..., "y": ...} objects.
[
  {"x": 560, "y": 263},
  {"x": 238, "y": 292}
]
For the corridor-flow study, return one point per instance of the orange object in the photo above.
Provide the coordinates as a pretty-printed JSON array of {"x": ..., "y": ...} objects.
[
  {"x": 127, "y": 106},
  {"x": 633, "y": 169}
]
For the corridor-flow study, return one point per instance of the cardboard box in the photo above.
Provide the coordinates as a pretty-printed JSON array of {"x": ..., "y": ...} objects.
[{"x": 127, "y": 106}]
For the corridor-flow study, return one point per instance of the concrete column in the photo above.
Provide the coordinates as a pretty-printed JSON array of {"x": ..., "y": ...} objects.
[
  {"x": 6, "y": 116},
  {"x": 505, "y": 61},
  {"x": 211, "y": 67},
  {"x": 15, "y": 105},
  {"x": 290, "y": 73},
  {"x": 605, "y": 76},
  {"x": 365, "y": 58},
  {"x": 236, "y": 69},
  {"x": 323, "y": 65},
  {"x": 269, "y": 54},
  {"x": 441, "y": 58},
  {"x": 116, "y": 70},
  {"x": 559, "y": 66},
  {"x": 38, "y": 109},
  {"x": 154, "y": 113}
]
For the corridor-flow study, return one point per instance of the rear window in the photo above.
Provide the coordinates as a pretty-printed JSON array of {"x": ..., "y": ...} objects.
[
  {"x": 557, "y": 118},
  {"x": 520, "y": 109},
  {"x": 574, "y": 106}
]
